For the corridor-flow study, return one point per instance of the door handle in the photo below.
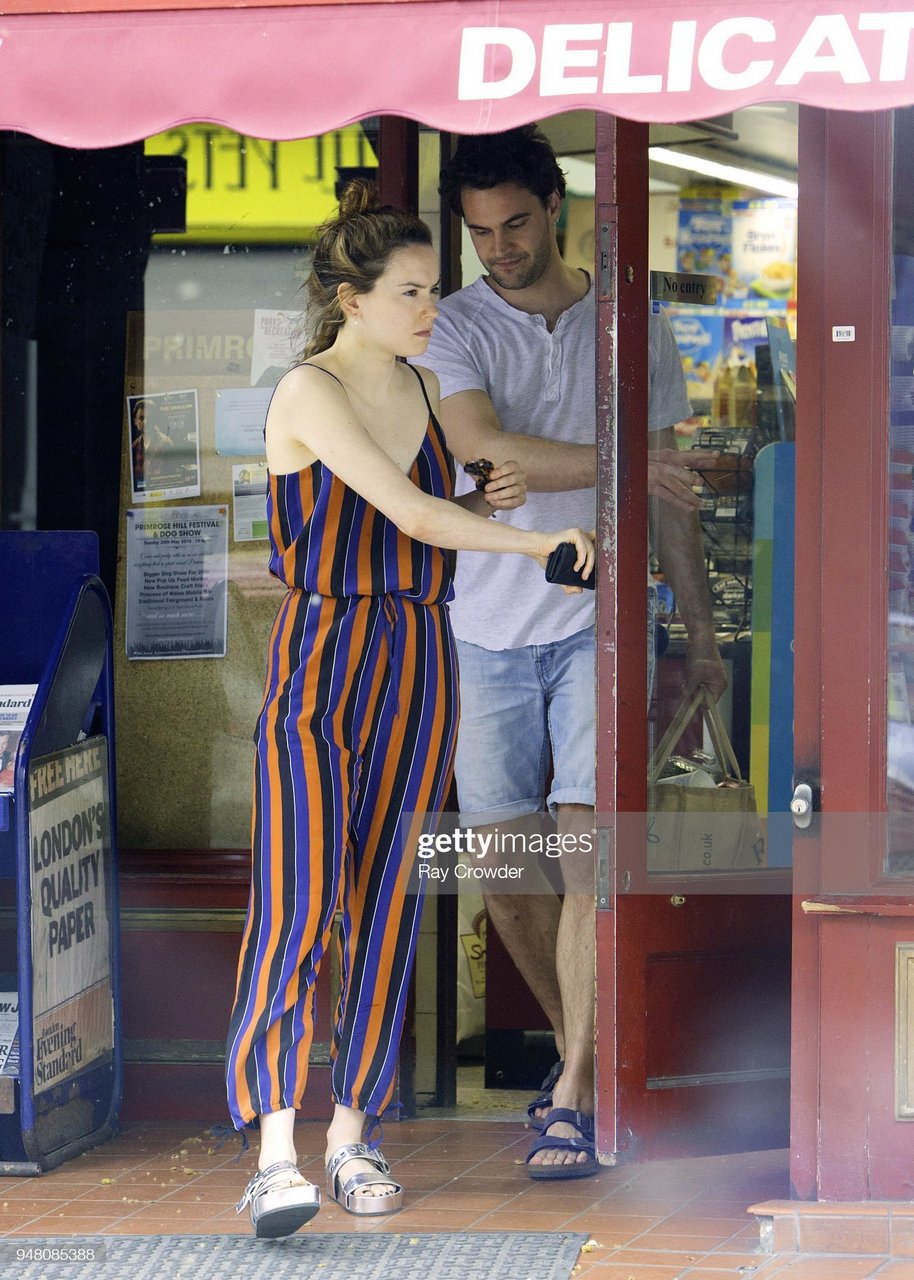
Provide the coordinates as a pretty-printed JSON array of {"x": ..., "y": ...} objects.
[{"x": 801, "y": 805}]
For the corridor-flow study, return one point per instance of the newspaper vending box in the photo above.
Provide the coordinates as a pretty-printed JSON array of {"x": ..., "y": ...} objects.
[{"x": 60, "y": 1050}]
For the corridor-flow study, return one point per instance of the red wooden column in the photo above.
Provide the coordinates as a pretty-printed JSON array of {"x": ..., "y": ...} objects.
[
  {"x": 622, "y": 302},
  {"x": 398, "y": 162}
]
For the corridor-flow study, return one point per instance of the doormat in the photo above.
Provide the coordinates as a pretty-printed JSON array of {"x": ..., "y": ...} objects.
[{"x": 458, "y": 1255}]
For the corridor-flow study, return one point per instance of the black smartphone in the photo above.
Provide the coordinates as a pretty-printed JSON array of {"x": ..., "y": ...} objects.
[{"x": 560, "y": 568}]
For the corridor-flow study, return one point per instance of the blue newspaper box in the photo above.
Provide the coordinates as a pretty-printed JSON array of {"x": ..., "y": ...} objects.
[{"x": 60, "y": 1041}]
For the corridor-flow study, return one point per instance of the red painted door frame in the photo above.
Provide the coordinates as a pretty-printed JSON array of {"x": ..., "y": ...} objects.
[
  {"x": 846, "y": 1143},
  {"x": 621, "y": 212}
]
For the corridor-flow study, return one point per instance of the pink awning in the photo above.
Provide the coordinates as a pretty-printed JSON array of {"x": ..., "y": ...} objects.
[{"x": 94, "y": 79}]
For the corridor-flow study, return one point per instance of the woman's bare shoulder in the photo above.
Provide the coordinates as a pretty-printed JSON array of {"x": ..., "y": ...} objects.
[
  {"x": 305, "y": 404},
  {"x": 428, "y": 376},
  {"x": 308, "y": 378}
]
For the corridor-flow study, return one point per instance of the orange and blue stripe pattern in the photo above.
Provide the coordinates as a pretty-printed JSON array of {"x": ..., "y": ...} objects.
[{"x": 356, "y": 732}]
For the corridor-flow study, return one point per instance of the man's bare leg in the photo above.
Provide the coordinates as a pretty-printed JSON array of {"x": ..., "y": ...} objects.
[
  {"x": 575, "y": 961},
  {"x": 528, "y": 925}
]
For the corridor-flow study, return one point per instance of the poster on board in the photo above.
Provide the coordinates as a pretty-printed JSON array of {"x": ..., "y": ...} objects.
[
  {"x": 276, "y": 336},
  {"x": 249, "y": 502},
  {"x": 164, "y": 446},
  {"x": 241, "y": 413},
  {"x": 177, "y": 577},
  {"x": 69, "y": 878}
]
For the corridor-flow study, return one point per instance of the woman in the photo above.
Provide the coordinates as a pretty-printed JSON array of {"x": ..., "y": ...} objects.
[{"x": 360, "y": 712}]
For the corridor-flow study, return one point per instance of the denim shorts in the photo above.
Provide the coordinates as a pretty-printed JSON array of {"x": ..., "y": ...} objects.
[{"x": 521, "y": 708}]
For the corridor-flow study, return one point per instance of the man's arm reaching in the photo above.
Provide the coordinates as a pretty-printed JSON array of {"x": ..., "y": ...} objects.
[
  {"x": 473, "y": 430},
  {"x": 677, "y": 542}
]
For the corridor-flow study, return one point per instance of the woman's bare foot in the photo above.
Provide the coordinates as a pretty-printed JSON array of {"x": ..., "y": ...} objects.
[{"x": 346, "y": 1129}]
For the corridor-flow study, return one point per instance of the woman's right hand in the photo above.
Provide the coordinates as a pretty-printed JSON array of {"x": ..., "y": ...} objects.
[{"x": 584, "y": 544}]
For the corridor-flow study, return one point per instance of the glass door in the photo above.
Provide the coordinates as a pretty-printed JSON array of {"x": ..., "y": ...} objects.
[{"x": 693, "y": 923}]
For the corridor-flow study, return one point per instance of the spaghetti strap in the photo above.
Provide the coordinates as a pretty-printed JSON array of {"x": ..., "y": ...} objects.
[
  {"x": 428, "y": 403},
  {"x": 321, "y": 369}
]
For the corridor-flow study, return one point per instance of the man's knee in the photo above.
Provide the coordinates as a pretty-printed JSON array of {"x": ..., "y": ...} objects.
[{"x": 577, "y": 844}]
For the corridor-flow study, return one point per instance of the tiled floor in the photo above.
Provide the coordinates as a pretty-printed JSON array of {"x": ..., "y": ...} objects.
[{"x": 658, "y": 1221}]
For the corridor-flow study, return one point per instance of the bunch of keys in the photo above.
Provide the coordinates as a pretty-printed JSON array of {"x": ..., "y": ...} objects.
[{"x": 481, "y": 469}]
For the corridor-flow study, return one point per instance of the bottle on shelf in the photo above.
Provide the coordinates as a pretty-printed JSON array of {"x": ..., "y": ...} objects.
[
  {"x": 722, "y": 398},
  {"x": 744, "y": 395}
]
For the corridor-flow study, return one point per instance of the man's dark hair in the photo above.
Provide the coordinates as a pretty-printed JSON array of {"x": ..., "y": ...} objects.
[{"x": 483, "y": 161}]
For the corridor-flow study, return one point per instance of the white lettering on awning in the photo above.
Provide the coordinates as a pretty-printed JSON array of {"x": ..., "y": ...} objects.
[
  {"x": 844, "y": 59},
  {"x": 502, "y": 62},
  {"x": 477, "y": 43},
  {"x": 682, "y": 52},
  {"x": 895, "y": 45},
  {"x": 557, "y": 58},
  {"x": 618, "y": 77},
  {"x": 711, "y": 53}
]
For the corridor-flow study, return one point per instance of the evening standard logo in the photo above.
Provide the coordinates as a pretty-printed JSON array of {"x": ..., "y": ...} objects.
[{"x": 573, "y": 59}]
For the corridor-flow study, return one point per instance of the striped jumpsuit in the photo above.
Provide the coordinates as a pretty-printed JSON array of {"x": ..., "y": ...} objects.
[{"x": 357, "y": 729}]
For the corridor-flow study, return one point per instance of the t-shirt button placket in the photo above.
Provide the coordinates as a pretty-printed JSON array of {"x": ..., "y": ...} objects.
[{"x": 553, "y": 370}]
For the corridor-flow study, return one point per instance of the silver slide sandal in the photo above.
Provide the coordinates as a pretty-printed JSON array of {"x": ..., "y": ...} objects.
[
  {"x": 281, "y": 1200},
  {"x": 345, "y": 1192}
]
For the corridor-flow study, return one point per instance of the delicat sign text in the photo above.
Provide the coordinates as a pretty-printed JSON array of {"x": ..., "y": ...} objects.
[{"x": 653, "y": 58}]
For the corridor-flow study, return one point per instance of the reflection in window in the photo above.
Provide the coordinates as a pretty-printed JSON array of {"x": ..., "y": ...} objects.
[{"x": 900, "y": 764}]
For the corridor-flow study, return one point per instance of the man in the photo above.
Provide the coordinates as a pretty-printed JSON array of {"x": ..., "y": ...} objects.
[{"x": 515, "y": 354}]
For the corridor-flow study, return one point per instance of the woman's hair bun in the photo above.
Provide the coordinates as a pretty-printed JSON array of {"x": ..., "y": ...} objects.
[{"x": 359, "y": 196}]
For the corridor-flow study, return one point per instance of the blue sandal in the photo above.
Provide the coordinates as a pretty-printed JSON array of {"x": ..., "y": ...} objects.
[
  {"x": 546, "y": 1142},
  {"x": 545, "y": 1098}
]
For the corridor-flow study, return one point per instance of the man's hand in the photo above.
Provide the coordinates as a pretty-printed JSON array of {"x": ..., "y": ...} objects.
[
  {"x": 506, "y": 487},
  {"x": 670, "y": 477}
]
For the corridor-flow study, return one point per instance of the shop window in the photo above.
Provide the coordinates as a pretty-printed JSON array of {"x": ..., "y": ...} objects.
[{"x": 233, "y": 219}]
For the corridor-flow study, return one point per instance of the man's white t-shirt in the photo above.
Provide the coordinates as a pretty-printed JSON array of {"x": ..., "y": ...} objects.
[{"x": 541, "y": 384}]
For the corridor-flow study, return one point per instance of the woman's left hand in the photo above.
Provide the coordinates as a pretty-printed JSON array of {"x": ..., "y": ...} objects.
[{"x": 506, "y": 487}]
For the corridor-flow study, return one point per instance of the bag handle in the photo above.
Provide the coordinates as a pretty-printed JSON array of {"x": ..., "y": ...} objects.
[
  {"x": 667, "y": 744},
  {"x": 723, "y": 748}
]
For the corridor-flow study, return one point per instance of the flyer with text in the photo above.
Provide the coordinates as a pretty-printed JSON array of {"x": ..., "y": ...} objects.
[{"x": 177, "y": 578}]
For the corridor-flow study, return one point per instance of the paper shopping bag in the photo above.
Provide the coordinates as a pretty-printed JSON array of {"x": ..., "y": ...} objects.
[{"x": 702, "y": 828}]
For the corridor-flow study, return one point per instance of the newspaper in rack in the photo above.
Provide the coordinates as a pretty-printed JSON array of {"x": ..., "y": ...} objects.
[
  {"x": 9, "y": 1033},
  {"x": 15, "y": 704}
]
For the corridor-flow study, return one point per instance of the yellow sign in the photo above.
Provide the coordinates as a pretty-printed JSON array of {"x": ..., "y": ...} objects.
[{"x": 249, "y": 189}]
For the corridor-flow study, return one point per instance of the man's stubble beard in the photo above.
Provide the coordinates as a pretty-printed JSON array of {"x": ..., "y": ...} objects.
[{"x": 534, "y": 272}]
